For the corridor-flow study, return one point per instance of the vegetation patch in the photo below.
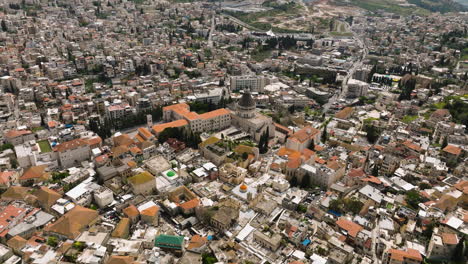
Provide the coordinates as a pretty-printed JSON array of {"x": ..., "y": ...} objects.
[{"x": 44, "y": 146}]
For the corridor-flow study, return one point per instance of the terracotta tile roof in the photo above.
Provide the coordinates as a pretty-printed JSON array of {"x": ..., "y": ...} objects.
[
  {"x": 122, "y": 140},
  {"x": 5, "y": 176},
  {"x": 307, "y": 153},
  {"x": 359, "y": 172},
  {"x": 160, "y": 127},
  {"x": 190, "y": 204},
  {"x": 120, "y": 260},
  {"x": 344, "y": 113},
  {"x": 196, "y": 241},
  {"x": 135, "y": 150},
  {"x": 409, "y": 144},
  {"x": 16, "y": 193},
  {"x": 102, "y": 158},
  {"x": 372, "y": 179},
  {"x": 131, "y": 211},
  {"x": 75, "y": 143},
  {"x": 305, "y": 134},
  {"x": 319, "y": 160},
  {"x": 117, "y": 151},
  {"x": 449, "y": 238},
  {"x": 400, "y": 255},
  {"x": 8, "y": 213},
  {"x": 349, "y": 226},
  {"x": 145, "y": 133},
  {"x": 16, "y": 242},
  {"x": 294, "y": 163},
  {"x": 46, "y": 196},
  {"x": 215, "y": 113},
  {"x": 35, "y": 172},
  {"x": 139, "y": 138},
  {"x": 151, "y": 211},
  {"x": 52, "y": 123},
  {"x": 17, "y": 133},
  {"x": 440, "y": 113},
  {"x": 283, "y": 128},
  {"x": 132, "y": 164},
  {"x": 461, "y": 185},
  {"x": 334, "y": 165},
  {"x": 73, "y": 222},
  {"x": 119, "y": 230},
  {"x": 94, "y": 141},
  {"x": 453, "y": 150},
  {"x": 288, "y": 152}
]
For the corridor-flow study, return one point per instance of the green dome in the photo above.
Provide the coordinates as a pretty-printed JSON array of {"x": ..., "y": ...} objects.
[{"x": 170, "y": 174}]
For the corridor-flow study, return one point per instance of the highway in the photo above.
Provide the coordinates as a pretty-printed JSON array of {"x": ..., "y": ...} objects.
[
  {"x": 212, "y": 29},
  {"x": 237, "y": 21},
  {"x": 375, "y": 236},
  {"x": 357, "y": 64}
]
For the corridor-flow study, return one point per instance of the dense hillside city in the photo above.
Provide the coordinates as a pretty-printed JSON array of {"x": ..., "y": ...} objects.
[{"x": 234, "y": 131}]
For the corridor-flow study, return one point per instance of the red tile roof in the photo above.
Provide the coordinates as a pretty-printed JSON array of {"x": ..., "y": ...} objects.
[
  {"x": 75, "y": 143},
  {"x": 453, "y": 150},
  {"x": 349, "y": 226}
]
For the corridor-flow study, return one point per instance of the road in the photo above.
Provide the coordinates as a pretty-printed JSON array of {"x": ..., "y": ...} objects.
[
  {"x": 357, "y": 64},
  {"x": 210, "y": 36},
  {"x": 375, "y": 236},
  {"x": 239, "y": 22}
]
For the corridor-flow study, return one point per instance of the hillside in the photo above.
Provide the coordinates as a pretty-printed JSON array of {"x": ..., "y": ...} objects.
[
  {"x": 402, "y": 8},
  {"x": 463, "y": 2},
  {"x": 442, "y": 6}
]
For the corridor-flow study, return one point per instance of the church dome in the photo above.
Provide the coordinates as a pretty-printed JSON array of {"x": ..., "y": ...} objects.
[{"x": 246, "y": 100}]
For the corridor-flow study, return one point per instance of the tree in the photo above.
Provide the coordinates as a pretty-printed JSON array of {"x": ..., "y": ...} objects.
[
  {"x": 375, "y": 171},
  {"x": 372, "y": 133},
  {"x": 245, "y": 155},
  {"x": 459, "y": 255},
  {"x": 324, "y": 134},
  {"x": 263, "y": 142},
  {"x": 413, "y": 198},
  {"x": 52, "y": 241},
  {"x": 4, "y": 26},
  {"x": 305, "y": 183},
  {"x": 445, "y": 142},
  {"x": 312, "y": 145},
  {"x": 293, "y": 181}
]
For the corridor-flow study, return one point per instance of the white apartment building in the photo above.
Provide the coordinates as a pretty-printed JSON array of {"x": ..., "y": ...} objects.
[
  {"x": 72, "y": 152},
  {"x": 103, "y": 197},
  {"x": 357, "y": 88},
  {"x": 251, "y": 83}
]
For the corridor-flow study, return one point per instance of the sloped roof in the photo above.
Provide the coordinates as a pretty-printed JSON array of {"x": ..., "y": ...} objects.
[
  {"x": 35, "y": 172},
  {"x": 131, "y": 211},
  {"x": 16, "y": 193},
  {"x": 169, "y": 241},
  {"x": 46, "y": 196},
  {"x": 16, "y": 242},
  {"x": 453, "y": 150},
  {"x": 122, "y": 140},
  {"x": 74, "y": 222},
  {"x": 141, "y": 178},
  {"x": 75, "y": 143},
  {"x": 305, "y": 134},
  {"x": 120, "y": 260},
  {"x": 120, "y": 228},
  {"x": 151, "y": 211},
  {"x": 349, "y": 226},
  {"x": 196, "y": 241}
]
